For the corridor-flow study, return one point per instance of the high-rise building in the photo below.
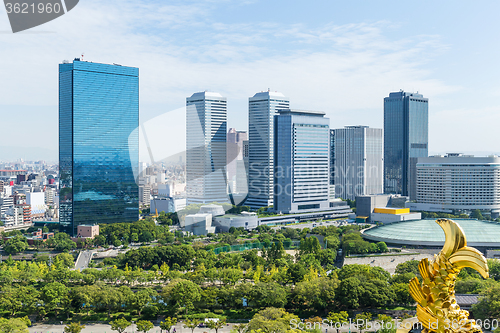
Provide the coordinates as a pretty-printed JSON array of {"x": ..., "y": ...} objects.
[
  {"x": 235, "y": 165},
  {"x": 206, "y": 121},
  {"x": 301, "y": 155},
  {"x": 262, "y": 108},
  {"x": 98, "y": 143},
  {"x": 406, "y": 131},
  {"x": 358, "y": 161}
]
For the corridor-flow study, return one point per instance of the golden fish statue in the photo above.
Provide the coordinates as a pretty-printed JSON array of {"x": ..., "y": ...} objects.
[{"x": 437, "y": 308}]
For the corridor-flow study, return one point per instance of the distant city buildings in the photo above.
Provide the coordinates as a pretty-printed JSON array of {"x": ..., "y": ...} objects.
[
  {"x": 144, "y": 194},
  {"x": 301, "y": 161},
  {"x": 358, "y": 161},
  {"x": 406, "y": 128},
  {"x": 236, "y": 171},
  {"x": 98, "y": 144},
  {"x": 206, "y": 121},
  {"x": 457, "y": 182},
  {"x": 262, "y": 108}
]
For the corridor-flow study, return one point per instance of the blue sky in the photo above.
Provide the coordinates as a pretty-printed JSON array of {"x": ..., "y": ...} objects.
[{"x": 341, "y": 57}]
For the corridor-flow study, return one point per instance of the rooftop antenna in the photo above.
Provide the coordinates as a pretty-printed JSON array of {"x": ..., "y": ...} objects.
[{"x": 82, "y": 55}]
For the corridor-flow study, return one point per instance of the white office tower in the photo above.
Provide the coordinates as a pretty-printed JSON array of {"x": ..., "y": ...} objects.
[
  {"x": 358, "y": 161},
  {"x": 206, "y": 122},
  {"x": 301, "y": 177},
  {"x": 262, "y": 108}
]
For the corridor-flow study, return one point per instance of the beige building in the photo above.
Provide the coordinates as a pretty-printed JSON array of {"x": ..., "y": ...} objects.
[{"x": 87, "y": 231}]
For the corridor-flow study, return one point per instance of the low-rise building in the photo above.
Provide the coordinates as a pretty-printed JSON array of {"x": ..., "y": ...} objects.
[
  {"x": 246, "y": 220},
  {"x": 167, "y": 204},
  {"x": 198, "y": 224},
  {"x": 390, "y": 215},
  {"x": 384, "y": 208},
  {"x": 87, "y": 231}
]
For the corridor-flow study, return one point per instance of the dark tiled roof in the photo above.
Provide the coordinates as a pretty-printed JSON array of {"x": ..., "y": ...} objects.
[{"x": 467, "y": 299}]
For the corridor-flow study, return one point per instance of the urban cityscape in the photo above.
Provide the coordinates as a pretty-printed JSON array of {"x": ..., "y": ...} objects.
[{"x": 300, "y": 221}]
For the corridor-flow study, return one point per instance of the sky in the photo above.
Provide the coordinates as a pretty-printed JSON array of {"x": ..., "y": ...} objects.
[{"x": 340, "y": 57}]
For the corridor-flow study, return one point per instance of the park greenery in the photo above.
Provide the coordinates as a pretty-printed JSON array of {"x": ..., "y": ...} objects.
[{"x": 182, "y": 278}]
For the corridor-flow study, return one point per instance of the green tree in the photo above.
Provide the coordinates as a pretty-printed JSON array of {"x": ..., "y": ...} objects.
[
  {"x": 216, "y": 324},
  {"x": 476, "y": 214},
  {"x": 61, "y": 242},
  {"x": 18, "y": 298},
  {"x": 410, "y": 266},
  {"x": 264, "y": 294},
  {"x": 332, "y": 242},
  {"x": 362, "y": 320},
  {"x": 402, "y": 294},
  {"x": 272, "y": 320},
  {"x": 349, "y": 292},
  {"x": 73, "y": 328},
  {"x": 382, "y": 247},
  {"x": 240, "y": 328},
  {"x": 144, "y": 326},
  {"x": 14, "y": 325},
  {"x": 55, "y": 296},
  {"x": 191, "y": 324},
  {"x": 494, "y": 267},
  {"x": 140, "y": 299},
  {"x": 388, "y": 325},
  {"x": 120, "y": 325},
  {"x": 181, "y": 292},
  {"x": 318, "y": 293},
  {"x": 99, "y": 240},
  {"x": 337, "y": 319},
  {"x": 109, "y": 298},
  {"x": 16, "y": 245},
  {"x": 167, "y": 324},
  {"x": 66, "y": 260},
  {"x": 489, "y": 304}
]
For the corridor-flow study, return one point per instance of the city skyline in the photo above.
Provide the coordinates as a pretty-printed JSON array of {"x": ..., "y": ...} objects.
[{"x": 345, "y": 50}]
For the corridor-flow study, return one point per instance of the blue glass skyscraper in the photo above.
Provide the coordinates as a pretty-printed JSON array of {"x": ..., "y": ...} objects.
[
  {"x": 406, "y": 138},
  {"x": 98, "y": 143}
]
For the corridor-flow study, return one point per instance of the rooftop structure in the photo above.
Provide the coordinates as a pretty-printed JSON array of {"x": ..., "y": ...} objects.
[{"x": 429, "y": 233}]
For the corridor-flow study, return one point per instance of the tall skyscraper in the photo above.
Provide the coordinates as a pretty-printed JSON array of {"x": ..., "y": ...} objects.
[
  {"x": 206, "y": 121},
  {"x": 262, "y": 108},
  {"x": 358, "y": 161},
  {"x": 406, "y": 138},
  {"x": 301, "y": 155},
  {"x": 98, "y": 143}
]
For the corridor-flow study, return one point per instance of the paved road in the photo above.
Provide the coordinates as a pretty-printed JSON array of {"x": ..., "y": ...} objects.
[
  {"x": 102, "y": 328},
  {"x": 84, "y": 259},
  {"x": 312, "y": 225}
]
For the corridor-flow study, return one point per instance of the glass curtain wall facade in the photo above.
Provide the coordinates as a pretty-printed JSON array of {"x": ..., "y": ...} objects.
[
  {"x": 98, "y": 144},
  {"x": 406, "y": 128},
  {"x": 262, "y": 108},
  {"x": 206, "y": 121},
  {"x": 358, "y": 161},
  {"x": 302, "y": 147}
]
